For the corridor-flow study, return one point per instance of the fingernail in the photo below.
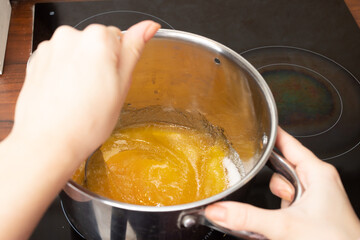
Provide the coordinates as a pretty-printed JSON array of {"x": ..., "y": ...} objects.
[
  {"x": 286, "y": 195},
  {"x": 216, "y": 212},
  {"x": 151, "y": 30}
]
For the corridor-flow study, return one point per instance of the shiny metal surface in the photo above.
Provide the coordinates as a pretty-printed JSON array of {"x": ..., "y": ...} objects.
[
  {"x": 279, "y": 165},
  {"x": 180, "y": 70},
  {"x": 282, "y": 166}
]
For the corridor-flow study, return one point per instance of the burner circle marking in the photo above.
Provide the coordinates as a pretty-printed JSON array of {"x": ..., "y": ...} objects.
[
  {"x": 344, "y": 134},
  {"x": 324, "y": 78},
  {"x": 68, "y": 220},
  {"x": 123, "y": 11}
]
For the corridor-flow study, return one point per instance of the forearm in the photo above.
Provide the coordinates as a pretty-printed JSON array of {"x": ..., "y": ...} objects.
[
  {"x": 58, "y": 121},
  {"x": 31, "y": 175}
]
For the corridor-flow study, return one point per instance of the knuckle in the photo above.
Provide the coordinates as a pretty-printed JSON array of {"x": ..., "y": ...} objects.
[
  {"x": 62, "y": 31},
  {"x": 331, "y": 172},
  {"x": 40, "y": 50},
  {"x": 95, "y": 28},
  {"x": 241, "y": 220},
  {"x": 96, "y": 32},
  {"x": 97, "y": 37},
  {"x": 42, "y": 45},
  {"x": 134, "y": 47},
  {"x": 136, "y": 52}
]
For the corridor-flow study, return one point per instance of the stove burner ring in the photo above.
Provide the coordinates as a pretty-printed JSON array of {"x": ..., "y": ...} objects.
[
  {"x": 68, "y": 220},
  {"x": 303, "y": 96},
  {"x": 330, "y": 133},
  {"x": 136, "y": 14}
]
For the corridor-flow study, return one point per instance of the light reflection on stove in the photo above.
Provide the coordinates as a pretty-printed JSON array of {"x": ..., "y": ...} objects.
[
  {"x": 317, "y": 99},
  {"x": 307, "y": 102}
]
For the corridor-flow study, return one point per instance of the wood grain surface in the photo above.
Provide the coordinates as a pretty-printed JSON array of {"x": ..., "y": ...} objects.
[{"x": 18, "y": 52}]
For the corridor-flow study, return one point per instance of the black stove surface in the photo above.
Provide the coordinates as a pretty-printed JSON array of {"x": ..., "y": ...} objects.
[{"x": 307, "y": 51}]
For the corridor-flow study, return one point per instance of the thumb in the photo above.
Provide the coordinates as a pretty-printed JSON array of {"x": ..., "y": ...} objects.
[
  {"x": 240, "y": 216},
  {"x": 132, "y": 44}
]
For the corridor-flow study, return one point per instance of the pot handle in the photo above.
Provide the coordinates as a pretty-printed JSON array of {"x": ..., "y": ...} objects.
[
  {"x": 284, "y": 167},
  {"x": 277, "y": 164}
]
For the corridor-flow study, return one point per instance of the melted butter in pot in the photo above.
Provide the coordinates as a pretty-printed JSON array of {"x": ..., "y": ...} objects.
[{"x": 160, "y": 165}]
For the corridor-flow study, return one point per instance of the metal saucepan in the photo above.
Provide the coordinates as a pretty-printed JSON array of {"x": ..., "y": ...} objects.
[{"x": 192, "y": 74}]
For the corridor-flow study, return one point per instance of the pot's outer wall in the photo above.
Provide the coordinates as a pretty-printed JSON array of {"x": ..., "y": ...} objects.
[
  {"x": 94, "y": 220},
  {"x": 192, "y": 74}
]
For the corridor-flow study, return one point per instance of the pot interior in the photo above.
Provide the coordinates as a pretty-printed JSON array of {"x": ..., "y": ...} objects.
[
  {"x": 199, "y": 77},
  {"x": 189, "y": 80}
]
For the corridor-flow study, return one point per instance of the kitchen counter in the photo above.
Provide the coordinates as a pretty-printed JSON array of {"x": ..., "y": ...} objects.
[{"x": 19, "y": 48}]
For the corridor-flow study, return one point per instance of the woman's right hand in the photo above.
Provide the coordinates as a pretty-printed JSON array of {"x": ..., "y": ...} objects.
[
  {"x": 75, "y": 86},
  {"x": 323, "y": 212},
  {"x": 74, "y": 89}
]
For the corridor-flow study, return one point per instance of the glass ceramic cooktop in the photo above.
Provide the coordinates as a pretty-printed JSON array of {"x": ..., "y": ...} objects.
[{"x": 307, "y": 51}]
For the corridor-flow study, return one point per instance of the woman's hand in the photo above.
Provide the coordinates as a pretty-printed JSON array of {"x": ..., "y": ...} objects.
[
  {"x": 323, "y": 212},
  {"x": 74, "y": 89},
  {"x": 76, "y": 84}
]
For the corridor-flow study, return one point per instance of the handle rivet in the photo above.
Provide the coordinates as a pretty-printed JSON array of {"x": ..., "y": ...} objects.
[
  {"x": 217, "y": 61},
  {"x": 188, "y": 221}
]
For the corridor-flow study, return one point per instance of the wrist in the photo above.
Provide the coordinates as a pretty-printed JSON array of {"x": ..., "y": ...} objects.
[
  {"x": 40, "y": 153},
  {"x": 34, "y": 170}
]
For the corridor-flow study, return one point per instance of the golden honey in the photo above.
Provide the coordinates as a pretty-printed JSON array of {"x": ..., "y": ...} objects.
[{"x": 159, "y": 165}]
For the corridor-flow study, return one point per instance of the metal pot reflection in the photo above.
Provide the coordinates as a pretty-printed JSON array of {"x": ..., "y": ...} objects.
[{"x": 193, "y": 74}]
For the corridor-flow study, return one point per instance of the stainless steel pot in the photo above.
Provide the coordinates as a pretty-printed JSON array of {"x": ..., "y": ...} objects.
[{"x": 193, "y": 74}]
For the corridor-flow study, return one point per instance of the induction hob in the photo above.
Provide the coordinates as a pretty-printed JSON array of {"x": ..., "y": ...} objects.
[{"x": 307, "y": 51}]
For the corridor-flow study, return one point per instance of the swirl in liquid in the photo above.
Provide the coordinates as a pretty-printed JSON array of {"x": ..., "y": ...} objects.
[{"x": 159, "y": 165}]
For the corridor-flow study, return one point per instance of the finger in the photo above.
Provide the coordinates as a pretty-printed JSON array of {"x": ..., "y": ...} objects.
[
  {"x": 116, "y": 32},
  {"x": 117, "y": 35},
  {"x": 116, "y": 38},
  {"x": 307, "y": 165},
  {"x": 34, "y": 63},
  {"x": 285, "y": 203},
  {"x": 292, "y": 149},
  {"x": 132, "y": 44},
  {"x": 240, "y": 216},
  {"x": 62, "y": 34},
  {"x": 281, "y": 187},
  {"x": 31, "y": 60}
]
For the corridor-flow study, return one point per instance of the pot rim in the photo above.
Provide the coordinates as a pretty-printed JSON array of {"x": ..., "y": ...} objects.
[{"x": 235, "y": 57}]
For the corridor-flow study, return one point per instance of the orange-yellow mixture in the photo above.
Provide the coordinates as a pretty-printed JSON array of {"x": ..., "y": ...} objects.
[{"x": 158, "y": 165}]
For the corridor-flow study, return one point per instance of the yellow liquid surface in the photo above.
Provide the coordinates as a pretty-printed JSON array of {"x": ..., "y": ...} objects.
[{"x": 158, "y": 165}]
